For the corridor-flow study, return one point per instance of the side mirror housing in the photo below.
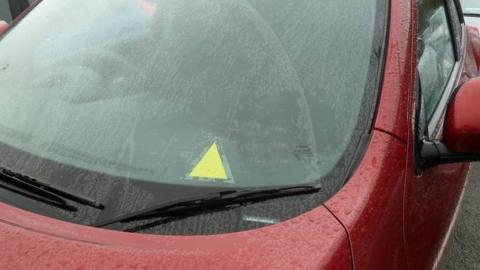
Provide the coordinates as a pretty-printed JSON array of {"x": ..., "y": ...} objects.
[{"x": 461, "y": 131}]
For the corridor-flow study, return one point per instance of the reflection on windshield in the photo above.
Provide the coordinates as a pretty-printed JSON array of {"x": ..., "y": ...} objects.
[{"x": 243, "y": 93}]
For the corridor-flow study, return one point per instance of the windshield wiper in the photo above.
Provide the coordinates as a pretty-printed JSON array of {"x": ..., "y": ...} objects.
[
  {"x": 219, "y": 199},
  {"x": 43, "y": 192}
]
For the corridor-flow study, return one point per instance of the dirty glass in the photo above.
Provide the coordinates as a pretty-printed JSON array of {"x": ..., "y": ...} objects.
[
  {"x": 474, "y": 21},
  {"x": 472, "y": 11},
  {"x": 5, "y": 14},
  {"x": 434, "y": 51},
  {"x": 466, "y": 4},
  {"x": 206, "y": 92}
]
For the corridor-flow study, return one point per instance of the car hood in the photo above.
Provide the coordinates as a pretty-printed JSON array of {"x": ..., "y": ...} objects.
[{"x": 315, "y": 240}]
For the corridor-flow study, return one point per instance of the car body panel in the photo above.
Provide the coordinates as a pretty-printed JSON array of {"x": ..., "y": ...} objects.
[
  {"x": 371, "y": 205},
  {"x": 393, "y": 104},
  {"x": 315, "y": 240},
  {"x": 430, "y": 203}
]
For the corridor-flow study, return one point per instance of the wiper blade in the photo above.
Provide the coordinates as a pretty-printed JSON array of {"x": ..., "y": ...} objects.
[
  {"x": 218, "y": 199},
  {"x": 43, "y": 192}
]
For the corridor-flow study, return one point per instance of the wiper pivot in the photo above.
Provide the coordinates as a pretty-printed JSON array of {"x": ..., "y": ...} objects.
[{"x": 44, "y": 192}]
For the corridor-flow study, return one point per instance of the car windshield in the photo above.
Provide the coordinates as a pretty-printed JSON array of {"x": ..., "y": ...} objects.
[{"x": 235, "y": 93}]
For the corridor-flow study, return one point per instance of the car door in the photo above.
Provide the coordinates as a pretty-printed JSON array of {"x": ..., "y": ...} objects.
[{"x": 432, "y": 195}]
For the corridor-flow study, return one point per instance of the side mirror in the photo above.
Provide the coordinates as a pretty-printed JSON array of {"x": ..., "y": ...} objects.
[
  {"x": 3, "y": 26},
  {"x": 461, "y": 131}
]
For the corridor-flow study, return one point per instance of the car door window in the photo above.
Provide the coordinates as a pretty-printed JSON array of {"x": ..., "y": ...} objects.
[
  {"x": 470, "y": 4},
  {"x": 435, "y": 51},
  {"x": 18, "y": 6},
  {"x": 10, "y": 9},
  {"x": 5, "y": 14}
]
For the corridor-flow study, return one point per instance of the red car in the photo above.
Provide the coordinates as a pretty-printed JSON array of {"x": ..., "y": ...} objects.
[{"x": 256, "y": 134}]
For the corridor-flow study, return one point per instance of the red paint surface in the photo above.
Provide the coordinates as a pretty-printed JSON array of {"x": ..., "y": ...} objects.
[
  {"x": 371, "y": 204},
  {"x": 430, "y": 203},
  {"x": 312, "y": 241},
  {"x": 462, "y": 125},
  {"x": 393, "y": 107}
]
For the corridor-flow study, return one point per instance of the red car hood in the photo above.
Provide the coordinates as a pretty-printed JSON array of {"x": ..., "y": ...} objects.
[{"x": 314, "y": 240}]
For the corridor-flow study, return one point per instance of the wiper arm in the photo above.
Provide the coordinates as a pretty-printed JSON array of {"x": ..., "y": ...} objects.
[
  {"x": 222, "y": 198},
  {"x": 43, "y": 192}
]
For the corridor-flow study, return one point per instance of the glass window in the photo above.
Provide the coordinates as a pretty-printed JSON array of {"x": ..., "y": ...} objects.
[
  {"x": 18, "y": 6},
  {"x": 5, "y": 14},
  {"x": 466, "y": 4},
  {"x": 218, "y": 93},
  {"x": 471, "y": 9},
  {"x": 10, "y": 9},
  {"x": 474, "y": 21},
  {"x": 435, "y": 51}
]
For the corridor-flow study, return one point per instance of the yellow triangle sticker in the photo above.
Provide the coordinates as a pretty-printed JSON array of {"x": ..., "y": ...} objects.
[{"x": 210, "y": 166}]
